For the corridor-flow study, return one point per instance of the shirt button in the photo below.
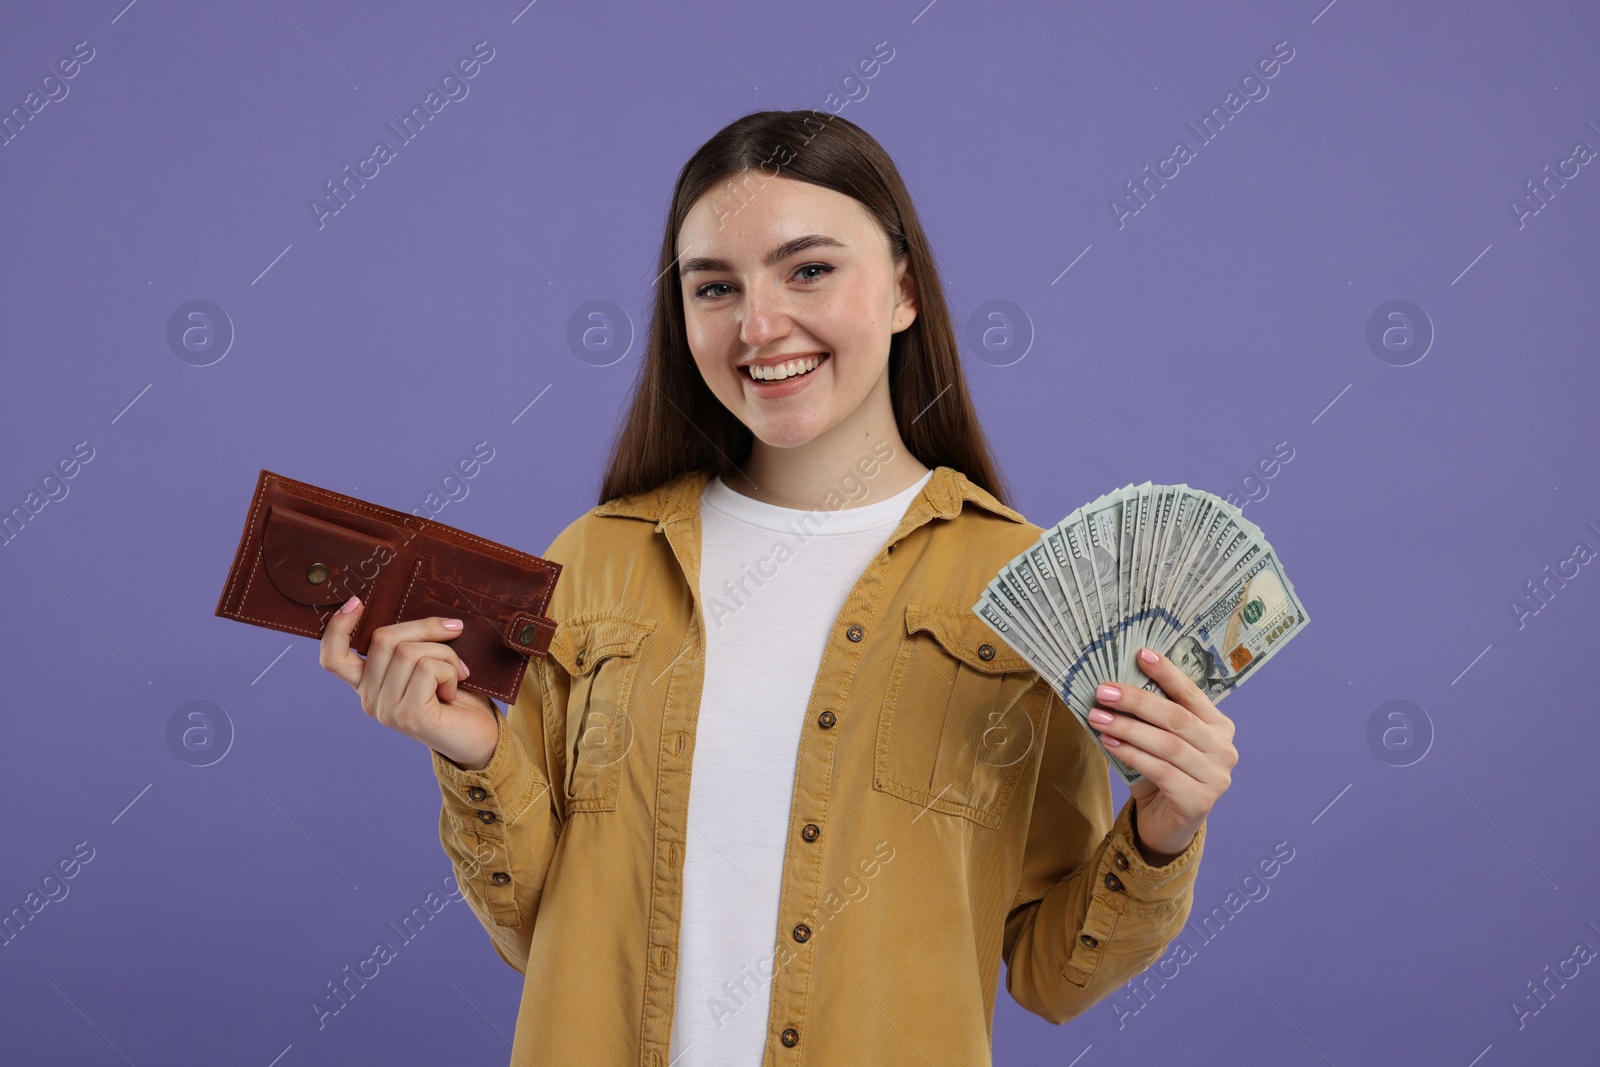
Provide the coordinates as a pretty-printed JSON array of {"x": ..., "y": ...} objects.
[
  {"x": 827, "y": 719},
  {"x": 1090, "y": 940},
  {"x": 810, "y": 831},
  {"x": 579, "y": 656},
  {"x": 854, "y": 633},
  {"x": 500, "y": 878},
  {"x": 1121, "y": 861},
  {"x": 1113, "y": 882},
  {"x": 986, "y": 652},
  {"x": 791, "y": 1037},
  {"x": 802, "y": 932},
  {"x": 476, "y": 793},
  {"x": 486, "y": 817}
]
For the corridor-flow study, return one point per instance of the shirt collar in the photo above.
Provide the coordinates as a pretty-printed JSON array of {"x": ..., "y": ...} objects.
[{"x": 679, "y": 499}]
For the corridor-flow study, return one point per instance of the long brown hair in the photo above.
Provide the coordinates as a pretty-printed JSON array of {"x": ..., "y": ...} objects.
[{"x": 676, "y": 424}]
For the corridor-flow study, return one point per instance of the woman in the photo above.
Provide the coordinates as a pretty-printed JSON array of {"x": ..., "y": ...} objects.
[{"x": 773, "y": 601}]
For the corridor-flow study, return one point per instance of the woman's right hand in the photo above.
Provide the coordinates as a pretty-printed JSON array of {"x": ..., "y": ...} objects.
[{"x": 408, "y": 682}]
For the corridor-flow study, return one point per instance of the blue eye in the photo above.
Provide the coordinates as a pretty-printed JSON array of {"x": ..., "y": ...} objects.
[{"x": 705, "y": 292}]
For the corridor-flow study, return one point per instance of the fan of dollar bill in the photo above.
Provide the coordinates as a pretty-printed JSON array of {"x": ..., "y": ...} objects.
[{"x": 1166, "y": 566}]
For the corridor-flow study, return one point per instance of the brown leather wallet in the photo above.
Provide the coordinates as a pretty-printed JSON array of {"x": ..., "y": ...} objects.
[{"x": 306, "y": 550}]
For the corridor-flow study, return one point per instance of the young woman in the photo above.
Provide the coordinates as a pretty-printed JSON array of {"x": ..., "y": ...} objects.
[{"x": 777, "y": 795}]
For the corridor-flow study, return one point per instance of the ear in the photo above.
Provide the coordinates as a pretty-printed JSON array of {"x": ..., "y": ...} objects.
[{"x": 905, "y": 309}]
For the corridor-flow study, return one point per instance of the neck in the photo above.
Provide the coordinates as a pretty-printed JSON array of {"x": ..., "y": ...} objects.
[{"x": 863, "y": 460}]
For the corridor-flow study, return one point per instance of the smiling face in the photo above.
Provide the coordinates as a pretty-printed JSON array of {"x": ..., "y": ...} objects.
[{"x": 790, "y": 297}]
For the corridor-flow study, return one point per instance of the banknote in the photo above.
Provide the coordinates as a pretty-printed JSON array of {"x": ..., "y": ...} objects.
[{"x": 1171, "y": 567}]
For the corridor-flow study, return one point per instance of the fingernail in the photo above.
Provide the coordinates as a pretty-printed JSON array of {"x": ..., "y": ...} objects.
[
  {"x": 452, "y": 624},
  {"x": 1100, "y": 715},
  {"x": 1108, "y": 693},
  {"x": 1148, "y": 656},
  {"x": 1108, "y": 739},
  {"x": 350, "y": 605},
  {"x": 466, "y": 671}
]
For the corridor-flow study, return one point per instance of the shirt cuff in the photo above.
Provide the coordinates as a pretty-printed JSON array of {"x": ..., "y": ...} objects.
[
  {"x": 1124, "y": 866},
  {"x": 502, "y": 789}
]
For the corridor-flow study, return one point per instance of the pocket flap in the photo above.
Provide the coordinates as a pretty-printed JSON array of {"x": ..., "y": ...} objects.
[
  {"x": 319, "y": 563},
  {"x": 960, "y": 632},
  {"x": 582, "y": 641}
]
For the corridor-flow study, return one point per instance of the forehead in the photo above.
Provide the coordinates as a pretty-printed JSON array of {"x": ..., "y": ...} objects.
[{"x": 751, "y": 212}]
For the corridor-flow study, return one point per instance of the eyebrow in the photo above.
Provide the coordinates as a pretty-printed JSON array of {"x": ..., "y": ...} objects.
[{"x": 773, "y": 258}]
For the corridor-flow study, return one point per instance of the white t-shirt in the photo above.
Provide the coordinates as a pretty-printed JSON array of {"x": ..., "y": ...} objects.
[{"x": 772, "y": 583}]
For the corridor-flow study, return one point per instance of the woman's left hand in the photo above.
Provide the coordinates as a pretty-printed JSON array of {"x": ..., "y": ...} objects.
[{"x": 1180, "y": 743}]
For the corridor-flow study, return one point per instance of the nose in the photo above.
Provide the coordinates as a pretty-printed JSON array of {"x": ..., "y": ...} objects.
[{"x": 765, "y": 315}]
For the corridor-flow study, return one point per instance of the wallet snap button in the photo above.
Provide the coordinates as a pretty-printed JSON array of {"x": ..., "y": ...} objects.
[
  {"x": 317, "y": 573},
  {"x": 528, "y": 634}
]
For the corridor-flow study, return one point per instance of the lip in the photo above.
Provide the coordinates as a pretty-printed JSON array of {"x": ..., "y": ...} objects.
[{"x": 786, "y": 387}]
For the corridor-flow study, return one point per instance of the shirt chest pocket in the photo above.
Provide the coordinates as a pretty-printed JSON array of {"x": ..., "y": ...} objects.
[
  {"x": 959, "y": 719},
  {"x": 600, "y": 654}
]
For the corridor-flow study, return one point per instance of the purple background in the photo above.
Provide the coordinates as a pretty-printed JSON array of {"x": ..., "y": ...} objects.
[{"x": 369, "y": 355}]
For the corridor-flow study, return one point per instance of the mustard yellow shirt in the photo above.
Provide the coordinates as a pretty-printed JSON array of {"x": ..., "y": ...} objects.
[{"x": 948, "y": 812}]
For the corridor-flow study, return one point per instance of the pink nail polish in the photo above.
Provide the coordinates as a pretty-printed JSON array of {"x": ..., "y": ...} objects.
[
  {"x": 350, "y": 605},
  {"x": 452, "y": 624},
  {"x": 1108, "y": 693},
  {"x": 1108, "y": 739},
  {"x": 1148, "y": 656},
  {"x": 1100, "y": 715}
]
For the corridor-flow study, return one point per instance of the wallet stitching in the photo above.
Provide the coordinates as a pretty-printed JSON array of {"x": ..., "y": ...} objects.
[
  {"x": 255, "y": 508},
  {"x": 261, "y": 551},
  {"x": 429, "y": 525},
  {"x": 341, "y": 501}
]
